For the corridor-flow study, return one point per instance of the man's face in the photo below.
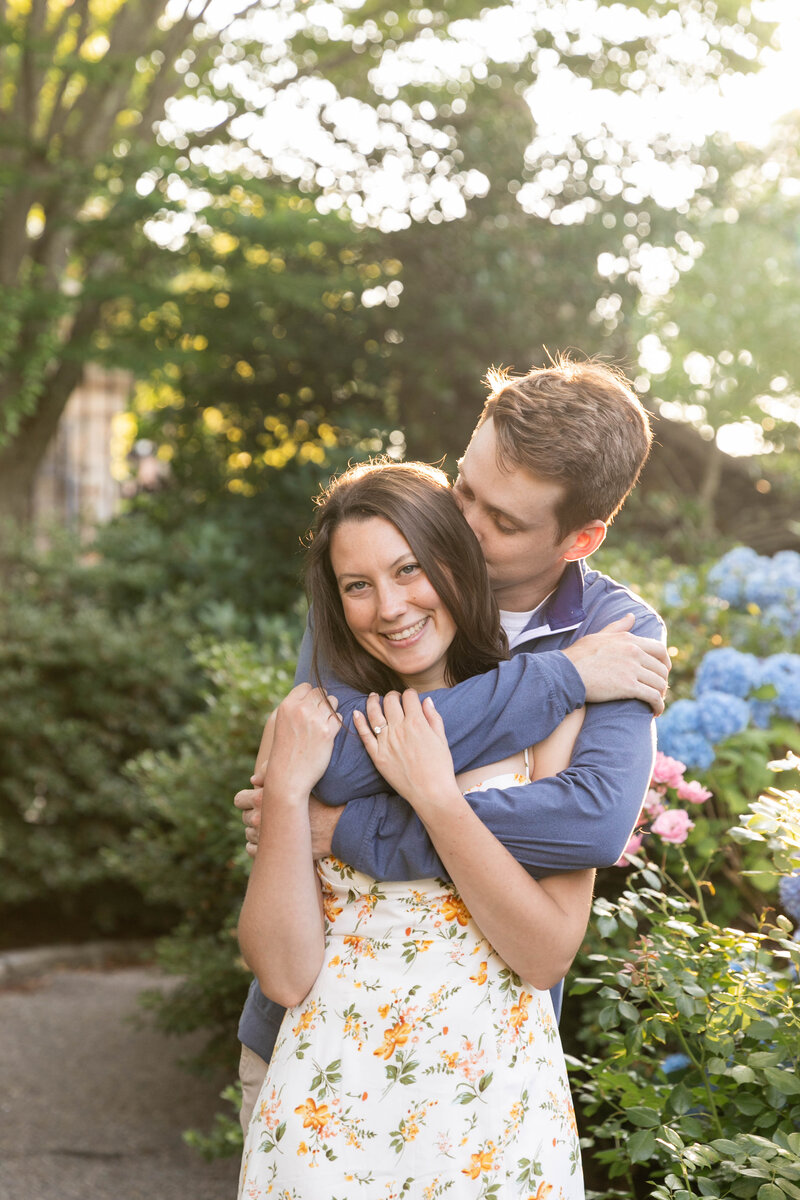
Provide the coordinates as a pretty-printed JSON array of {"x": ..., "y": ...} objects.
[{"x": 512, "y": 514}]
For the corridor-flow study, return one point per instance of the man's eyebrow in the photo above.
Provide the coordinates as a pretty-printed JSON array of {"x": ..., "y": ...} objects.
[{"x": 492, "y": 509}]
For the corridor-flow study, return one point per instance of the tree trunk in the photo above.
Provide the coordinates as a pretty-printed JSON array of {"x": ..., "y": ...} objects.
[{"x": 21, "y": 458}]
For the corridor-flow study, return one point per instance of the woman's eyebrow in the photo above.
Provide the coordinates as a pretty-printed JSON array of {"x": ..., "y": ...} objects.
[{"x": 360, "y": 574}]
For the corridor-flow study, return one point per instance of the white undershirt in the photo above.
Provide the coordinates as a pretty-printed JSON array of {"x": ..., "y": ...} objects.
[{"x": 514, "y": 623}]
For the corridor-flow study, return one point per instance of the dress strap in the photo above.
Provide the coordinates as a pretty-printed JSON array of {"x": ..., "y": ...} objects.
[{"x": 527, "y": 765}]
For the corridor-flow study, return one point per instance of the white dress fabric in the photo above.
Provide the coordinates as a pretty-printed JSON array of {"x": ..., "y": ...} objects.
[{"x": 419, "y": 1065}]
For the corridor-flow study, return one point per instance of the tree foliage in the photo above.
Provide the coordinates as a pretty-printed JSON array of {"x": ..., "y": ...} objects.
[{"x": 122, "y": 123}]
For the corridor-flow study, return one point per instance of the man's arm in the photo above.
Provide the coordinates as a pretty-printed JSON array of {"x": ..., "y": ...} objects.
[
  {"x": 580, "y": 818},
  {"x": 519, "y": 703}
]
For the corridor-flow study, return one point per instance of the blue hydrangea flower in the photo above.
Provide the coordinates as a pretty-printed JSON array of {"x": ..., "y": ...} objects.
[
  {"x": 675, "y": 1062},
  {"x": 727, "y": 670},
  {"x": 679, "y": 735},
  {"x": 785, "y": 617},
  {"x": 721, "y": 715},
  {"x": 789, "y": 892},
  {"x": 783, "y": 672},
  {"x": 727, "y": 577},
  {"x": 774, "y": 580},
  {"x": 762, "y": 712},
  {"x": 673, "y": 594}
]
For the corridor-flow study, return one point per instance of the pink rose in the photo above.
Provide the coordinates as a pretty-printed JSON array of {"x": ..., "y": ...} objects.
[
  {"x": 673, "y": 825},
  {"x": 668, "y": 770},
  {"x": 653, "y": 803},
  {"x": 633, "y": 847},
  {"x": 693, "y": 791}
]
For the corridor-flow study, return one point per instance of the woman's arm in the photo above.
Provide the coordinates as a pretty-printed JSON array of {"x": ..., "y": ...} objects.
[
  {"x": 553, "y": 755},
  {"x": 281, "y": 929},
  {"x": 536, "y": 927}
]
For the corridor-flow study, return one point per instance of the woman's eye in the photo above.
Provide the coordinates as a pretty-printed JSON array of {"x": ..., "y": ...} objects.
[
  {"x": 409, "y": 568},
  {"x": 358, "y": 586}
]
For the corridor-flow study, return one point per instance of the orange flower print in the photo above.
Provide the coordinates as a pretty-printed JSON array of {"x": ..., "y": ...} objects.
[
  {"x": 392, "y": 1038},
  {"x": 306, "y": 1019},
  {"x": 450, "y": 1059},
  {"x": 480, "y": 978},
  {"x": 484, "y": 1161},
  {"x": 519, "y": 1012},
  {"x": 329, "y": 904},
  {"x": 454, "y": 909},
  {"x": 543, "y": 1191},
  {"x": 268, "y": 1111},
  {"x": 368, "y": 903},
  {"x": 314, "y": 1117},
  {"x": 360, "y": 945}
]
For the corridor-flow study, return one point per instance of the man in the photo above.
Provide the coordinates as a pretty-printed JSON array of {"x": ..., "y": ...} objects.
[{"x": 551, "y": 460}]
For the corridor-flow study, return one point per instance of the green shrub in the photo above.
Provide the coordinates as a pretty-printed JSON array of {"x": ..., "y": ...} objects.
[
  {"x": 187, "y": 845},
  {"x": 84, "y": 690},
  {"x": 691, "y": 1087}
]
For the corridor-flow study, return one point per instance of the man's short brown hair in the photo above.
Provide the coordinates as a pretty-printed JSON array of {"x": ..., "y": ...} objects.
[{"x": 577, "y": 423}]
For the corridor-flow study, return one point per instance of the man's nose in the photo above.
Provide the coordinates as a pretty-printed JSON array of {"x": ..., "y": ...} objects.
[{"x": 473, "y": 519}]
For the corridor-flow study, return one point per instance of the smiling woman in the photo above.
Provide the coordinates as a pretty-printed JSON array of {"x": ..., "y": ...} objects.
[
  {"x": 376, "y": 556},
  {"x": 388, "y": 602}
]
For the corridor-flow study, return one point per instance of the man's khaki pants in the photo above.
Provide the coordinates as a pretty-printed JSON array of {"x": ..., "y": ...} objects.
[{"x": 252, "y": 1070}]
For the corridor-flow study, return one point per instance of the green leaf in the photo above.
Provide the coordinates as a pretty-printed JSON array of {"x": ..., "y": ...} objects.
[
  {"x": 785, "y": 1081},
  {"x": 727, "y": 1147},
  {"x": 608, "y": 1017},
  {"x": 606, "y": 926},
  {"x": 680, "y": 1100},
  {"x": 579, "y": 987},
  {"x": 645, "y": 1117},
  {"x": 768, "y": 1191},
  {"x": 641, "y": 1145},
  {"x": 748, "y": 1105}
]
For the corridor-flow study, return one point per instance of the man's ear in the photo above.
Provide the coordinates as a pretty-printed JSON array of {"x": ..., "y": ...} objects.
[{"x": 586, "y": 541}]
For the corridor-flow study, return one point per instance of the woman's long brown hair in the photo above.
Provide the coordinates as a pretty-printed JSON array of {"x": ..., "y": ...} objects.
[{"x": 417, "y": 500}]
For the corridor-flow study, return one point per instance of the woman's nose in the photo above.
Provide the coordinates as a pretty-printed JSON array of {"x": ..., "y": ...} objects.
[{"x": 392, "y": 602}]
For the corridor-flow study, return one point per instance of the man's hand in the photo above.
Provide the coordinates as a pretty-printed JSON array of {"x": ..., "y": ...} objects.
[
  {"x": 615, "y": 664},
  {"x": 248, "y": 802},
  {"x": 322, "y": 817}
]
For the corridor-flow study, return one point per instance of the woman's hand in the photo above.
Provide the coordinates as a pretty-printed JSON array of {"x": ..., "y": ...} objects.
[
  {"x": 409, "y": 748},
  {"x": 306, "y": 723}
]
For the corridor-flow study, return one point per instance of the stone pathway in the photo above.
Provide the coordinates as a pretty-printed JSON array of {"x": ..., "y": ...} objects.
[{"x": 92, "y": 1104}]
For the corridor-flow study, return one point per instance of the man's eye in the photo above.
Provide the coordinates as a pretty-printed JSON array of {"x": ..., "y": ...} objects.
[{"x": 501, "y": 527}]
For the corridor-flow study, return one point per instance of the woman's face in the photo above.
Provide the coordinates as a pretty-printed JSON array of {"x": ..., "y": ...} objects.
[{"x": 389, "y": 602}]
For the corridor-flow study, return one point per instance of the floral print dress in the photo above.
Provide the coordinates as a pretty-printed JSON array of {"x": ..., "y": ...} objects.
[{"x": 418, "y": 1066}]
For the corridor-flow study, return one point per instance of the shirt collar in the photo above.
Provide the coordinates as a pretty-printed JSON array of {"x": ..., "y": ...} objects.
[{"x": 563, "y": 608}]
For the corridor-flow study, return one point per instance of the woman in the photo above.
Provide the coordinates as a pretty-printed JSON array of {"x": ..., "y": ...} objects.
[{"x": 419, "y": 1056}]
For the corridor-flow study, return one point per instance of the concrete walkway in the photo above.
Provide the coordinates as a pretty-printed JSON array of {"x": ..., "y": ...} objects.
[{"x": 92, "y": 1103}]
